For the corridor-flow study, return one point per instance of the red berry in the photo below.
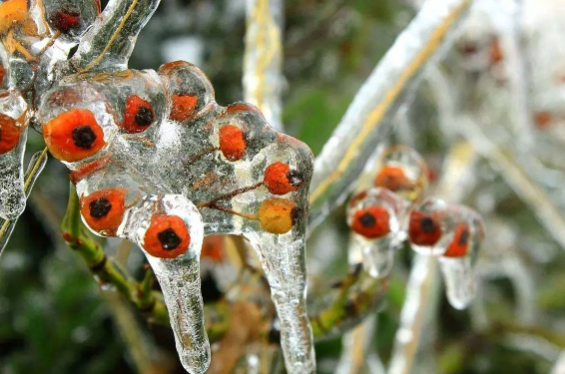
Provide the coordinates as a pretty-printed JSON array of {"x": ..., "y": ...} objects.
[
  {"x": 393, "y": 178},
  {"x": 104, "y": 210},
  {"x": 183, "y": 107},
  {"x": 10, "y": 134},
  {"x": 74, "y": 135},
  {"x": 424, "y": 229},
  {"x": 371, "y": 222},
  {"x": 64, "y": 21},
  {"x": 460, "y": 244},
  {"x": 232, "y": 142},
  {"x": 280, "y": 179},
  {"x": 139, "y": 115},
  {"x": 166, "y": 237}
]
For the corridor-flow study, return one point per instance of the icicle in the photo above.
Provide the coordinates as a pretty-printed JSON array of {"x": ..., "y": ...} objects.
[
  {"x": 36, "y": 166},
  {"x": 175, "y": 223},
  {"x": 375, "y": 218},
  {"x": 13, "y": 136}
]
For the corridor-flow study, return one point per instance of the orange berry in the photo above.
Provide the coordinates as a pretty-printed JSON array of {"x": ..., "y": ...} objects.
[
  {"x": 139, "y": 115},
  {"x": 278, "y": 216},
  {"x": 496, "y": 53},
  {"x": 232, "y": 142},
  {"x": 423, "y": 229},
  {"x": 12, "y": 12},
  {"x": 393, "y": 178},
  {"x": 166, "y": 237},
  {"x": 104, "y": 210},
  {"x": 183, "y": 107},
  {"x": 280, "y": 179},
  {"x": 2, "y": 74},
  {"x": 460, "y": 244},
  {"x": 543, "y": 120},
  {"x": 74, "y": 135},
  {"x": 371, "y": 222},
  {"x": 10, "y": 134}
]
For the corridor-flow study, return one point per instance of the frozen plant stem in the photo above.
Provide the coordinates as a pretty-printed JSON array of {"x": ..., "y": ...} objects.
[
  {"x": 357, "y": 135},
  {"x": 107, "y": 271},
  {"x": 262, "y": 73},
  {"x": 420, "y": 285}
]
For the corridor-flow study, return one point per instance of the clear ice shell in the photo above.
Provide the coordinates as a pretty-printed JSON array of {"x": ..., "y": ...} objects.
[
  {"x": 434, "y": 209},
  {"x": 183, "y": 156},
  {"x": 179, "y": 277},
  {"x": 377, "y": 254},
  {"x": 403, "y": 171}
]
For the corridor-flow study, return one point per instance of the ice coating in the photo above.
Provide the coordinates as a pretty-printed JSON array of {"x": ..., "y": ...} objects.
[
  {"x": 375, "y": 217},
  {"x": 131, "y": 134},
  {"x": 454, "y": 234}
]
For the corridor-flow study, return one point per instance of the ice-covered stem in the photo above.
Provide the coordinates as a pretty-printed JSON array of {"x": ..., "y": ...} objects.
[
  {"x": 559, "y": 367},
  {"x": 108, "y": 45},
  {"x": 262, "y": 74},
  {"x": 358, "y": 295},
  {"x": 357, "y": 135},
  {"x": 33, "y": 171},
  {"x": 519, "y": 180},
  {"x": 420, "y": 284},
  {"x": 106, "y": 270},
  {"x": 356, "y": 345}
]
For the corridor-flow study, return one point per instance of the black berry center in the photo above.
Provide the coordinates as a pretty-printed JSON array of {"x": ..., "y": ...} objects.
[
  {"x": 84, "y": 137},
  {"x": 169, "y": 239},
  {"x": 295, "y": 178},
  {"x": 100, "y": 208},
  {"x": 367, "y": 220},
  {"x": 144, "y": 116},
  {"x": 427, "y": 225},
  {"x": 463, "y": 238}
]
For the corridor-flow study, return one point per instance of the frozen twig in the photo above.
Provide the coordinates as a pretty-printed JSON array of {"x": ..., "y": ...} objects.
[
  {"x": 109, "y": 43},
  {"x": 361, "y": 128},
  {"x": 559, "y": 367},
  {"x": 262, "y": 76},
  {"x": 356, "y": 344},
  {"x": 455, "y": 175}
]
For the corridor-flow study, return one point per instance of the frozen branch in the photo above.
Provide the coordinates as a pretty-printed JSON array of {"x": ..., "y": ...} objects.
[
  {"x": 108, "y": 45},
  {"x": 360, "y": 130},
  {"x": 262, "y": 75}
]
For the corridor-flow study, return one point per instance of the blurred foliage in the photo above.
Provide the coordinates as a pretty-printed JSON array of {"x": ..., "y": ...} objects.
[{"x": 55, "y": 320}]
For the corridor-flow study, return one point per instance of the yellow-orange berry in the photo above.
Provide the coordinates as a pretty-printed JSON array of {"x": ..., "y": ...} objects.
[
  {"x": 104, "y": 210},
  {"x": 12, "y": 12},
  {"x": 232, "y": 142},
  {"x": 278, "y": 216},
  {"x": 166, "y": 237},
  {"x": 74, "y": 135},
  {"x": 10, "y": 134},
  {"x": 393, "y": 178},
  {"x": 280, "y": 179},
  {"x": 371, "y": 222},
  {"x": 183, "y": 107}
]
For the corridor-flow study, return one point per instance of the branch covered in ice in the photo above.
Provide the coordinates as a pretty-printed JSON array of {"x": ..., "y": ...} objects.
[
  {"x": 262, "y": 74},
  {"x": 108, "y": 45},
  {"x": 360, "y": 130}
]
